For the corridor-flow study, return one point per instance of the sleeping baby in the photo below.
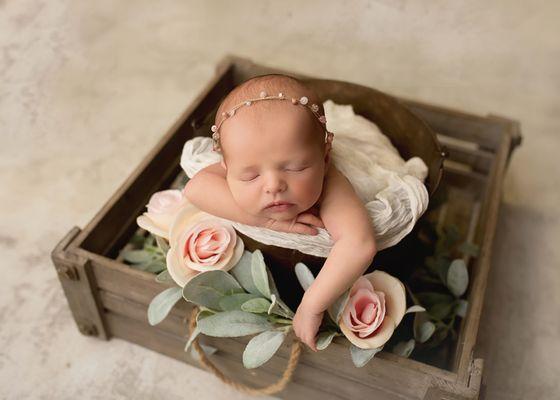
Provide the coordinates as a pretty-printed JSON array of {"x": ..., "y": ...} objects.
[{"x": 275, "y": 172}]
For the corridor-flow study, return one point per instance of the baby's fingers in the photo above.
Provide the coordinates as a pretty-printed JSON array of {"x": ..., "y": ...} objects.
[{"x": 310, "y": 219}]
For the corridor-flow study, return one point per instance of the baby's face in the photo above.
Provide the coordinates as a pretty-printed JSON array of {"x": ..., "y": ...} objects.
[{"x": 274, "y": 154}]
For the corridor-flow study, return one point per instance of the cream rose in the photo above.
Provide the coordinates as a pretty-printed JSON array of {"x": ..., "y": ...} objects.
[
  {"x": 163, "y": 207},
  {"x": 375, "y": 307},
  {"x": 200, "y": 242}
]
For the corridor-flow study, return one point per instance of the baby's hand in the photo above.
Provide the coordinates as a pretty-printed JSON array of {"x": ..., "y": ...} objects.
[
  {"x": 306, "y": 324},
  {"x": 305, "y": 223}
]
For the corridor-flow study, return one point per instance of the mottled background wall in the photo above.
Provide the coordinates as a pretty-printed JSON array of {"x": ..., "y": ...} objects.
[{"x": 87, "y": 88}]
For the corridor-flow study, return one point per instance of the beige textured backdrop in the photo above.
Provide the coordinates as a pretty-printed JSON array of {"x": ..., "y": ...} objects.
[{"x": 87, "y": 88}]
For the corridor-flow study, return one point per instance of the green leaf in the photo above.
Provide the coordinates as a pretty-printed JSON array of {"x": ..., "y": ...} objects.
[
  {"x": 324, "y": 339},
  {"x": 361, "y": 357},
  {"x": 262, "y": 347},
  {"x": 414, "y": 309},
  {"x": 441, "y": 310},
  {"x": 162, "y": 304},
  {"x": 204, "y": 296},
  {"x": 304, "y": 275},
  {"x": 335, "y": 310},
  {"x": 279, "y": 308},
  {"x": 137, "y": 240},
  {"x": 260, "y": 276},
  {"x": 458, "y": 277},
  {"x": 243, "y": 273},
  {"x": 404, "y": 349},
  {"x": 207, "y": 288},
  {"x": 233, "y": 324},
  {"x": 428, "y": 299},
  {"x": 461, "y": 308},
  {"x": 469, "y": 249},
  {"x": 162, "y": 244},
  {"x": 425, "y": 331},
  {"x": 203, "y": 314},
  {"x": 423, "y": 328},
  {"x": 256, "y": 306},
  {"x": 164, "y": 277},
  {"x": 442, "y": 265},
  {"x": 192, "y": 337},
  {"x": 155, "y": 266},
  {"x": 234, "y": 301},
  {"x": 137, "y": 256},
  {"x": 273, "y": 304}
]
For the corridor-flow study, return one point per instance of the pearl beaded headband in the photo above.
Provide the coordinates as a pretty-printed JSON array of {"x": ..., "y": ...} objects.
[{"x": 263, "y": 96}]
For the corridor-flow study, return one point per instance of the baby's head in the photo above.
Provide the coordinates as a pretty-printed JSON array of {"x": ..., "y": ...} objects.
[{"x": 273, "y": 150}]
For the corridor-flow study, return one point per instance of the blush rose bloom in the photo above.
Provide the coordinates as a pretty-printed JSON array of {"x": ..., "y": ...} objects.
[
  {"x": 200, "y": 242},
  {"x": 375, "y": 307},
  {"x": 163, "y": 207}
]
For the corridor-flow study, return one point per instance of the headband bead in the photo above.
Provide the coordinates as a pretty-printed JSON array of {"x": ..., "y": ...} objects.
[{"x": 303, "y": 101}]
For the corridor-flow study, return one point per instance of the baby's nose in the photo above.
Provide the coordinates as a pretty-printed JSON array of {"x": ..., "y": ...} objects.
[{"x": 274, "y": 185}]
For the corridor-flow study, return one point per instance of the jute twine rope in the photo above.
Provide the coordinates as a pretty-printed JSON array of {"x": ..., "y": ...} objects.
[{"x": 275, "y": 387}]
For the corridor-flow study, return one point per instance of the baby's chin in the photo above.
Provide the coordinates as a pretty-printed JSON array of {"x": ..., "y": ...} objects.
[{"x": 286, "y": 215}]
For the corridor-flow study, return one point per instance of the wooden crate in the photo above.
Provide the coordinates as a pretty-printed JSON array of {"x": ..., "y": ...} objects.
[{"x": 109, "y": 299}]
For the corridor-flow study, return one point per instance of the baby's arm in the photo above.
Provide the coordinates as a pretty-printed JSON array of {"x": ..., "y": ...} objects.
[
  {"x": 349, "y": 225},
  {"x": 208, "y": 190}
]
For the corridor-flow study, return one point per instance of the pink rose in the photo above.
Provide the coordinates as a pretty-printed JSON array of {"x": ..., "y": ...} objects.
[
  {"x": 200, "y": 242},
  {"x": 162, "y": 209},
  {"x": 375, "y": 307}
]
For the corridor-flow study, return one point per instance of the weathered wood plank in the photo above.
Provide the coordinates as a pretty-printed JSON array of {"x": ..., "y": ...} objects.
[
  {"x": 306, "y": 383},
  {"x": 458, "y": 124},
  {"x": 485, "y": 236},
  {"x": 80, "y": 289}
]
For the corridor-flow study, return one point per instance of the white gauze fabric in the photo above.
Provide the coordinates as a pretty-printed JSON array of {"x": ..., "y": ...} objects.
[{"x": 392, "y": 190}]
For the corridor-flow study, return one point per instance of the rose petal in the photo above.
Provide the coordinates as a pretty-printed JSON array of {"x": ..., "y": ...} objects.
[
  {"x": 378, "y": 338},
  {"x": 369, "y": 313},
  {"x": 395, "y": 293},
  {"x": 177, "y": 270}
]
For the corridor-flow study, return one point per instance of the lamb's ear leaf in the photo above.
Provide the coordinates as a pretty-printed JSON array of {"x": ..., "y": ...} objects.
[
  {"x": 335, "y": 310},
  {"x": 361, "y": 357},
  {"x": 164, "y": 277},
  {"x": 257, "y": 306},
  {"x": 423, "y": 328},
  {"x": 137, "y": 256},
  {"x": 192, "y": 337},
  {"x": 243, "y": 273},
  {"x": 461, "y": 308},
  {"x": 404, "y": 349},
  {"x": 162, "y": 244},
  {"x": 233, "y": 324},
  {"x": 324, "y": 339},
  {"x": 207, "y": 288},
  {"x": 414, "y": 309},
  {"x": 304, "y": 275},
  {"x": 234, "y": 301},
  {"x": 457, "y": 277},
  {"x": 161, "y": 305},
  {"x": 260, "y": 276},
  {"x": 280, "y": 307},
  {"x": 262, "y": 347}
]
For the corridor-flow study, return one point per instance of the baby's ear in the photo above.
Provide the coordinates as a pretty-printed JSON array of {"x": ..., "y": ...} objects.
[{"x": 327, "y": 153}]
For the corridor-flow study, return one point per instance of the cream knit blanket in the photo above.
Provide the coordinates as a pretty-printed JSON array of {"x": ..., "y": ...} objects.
[{"x": 392, "y": 190}]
